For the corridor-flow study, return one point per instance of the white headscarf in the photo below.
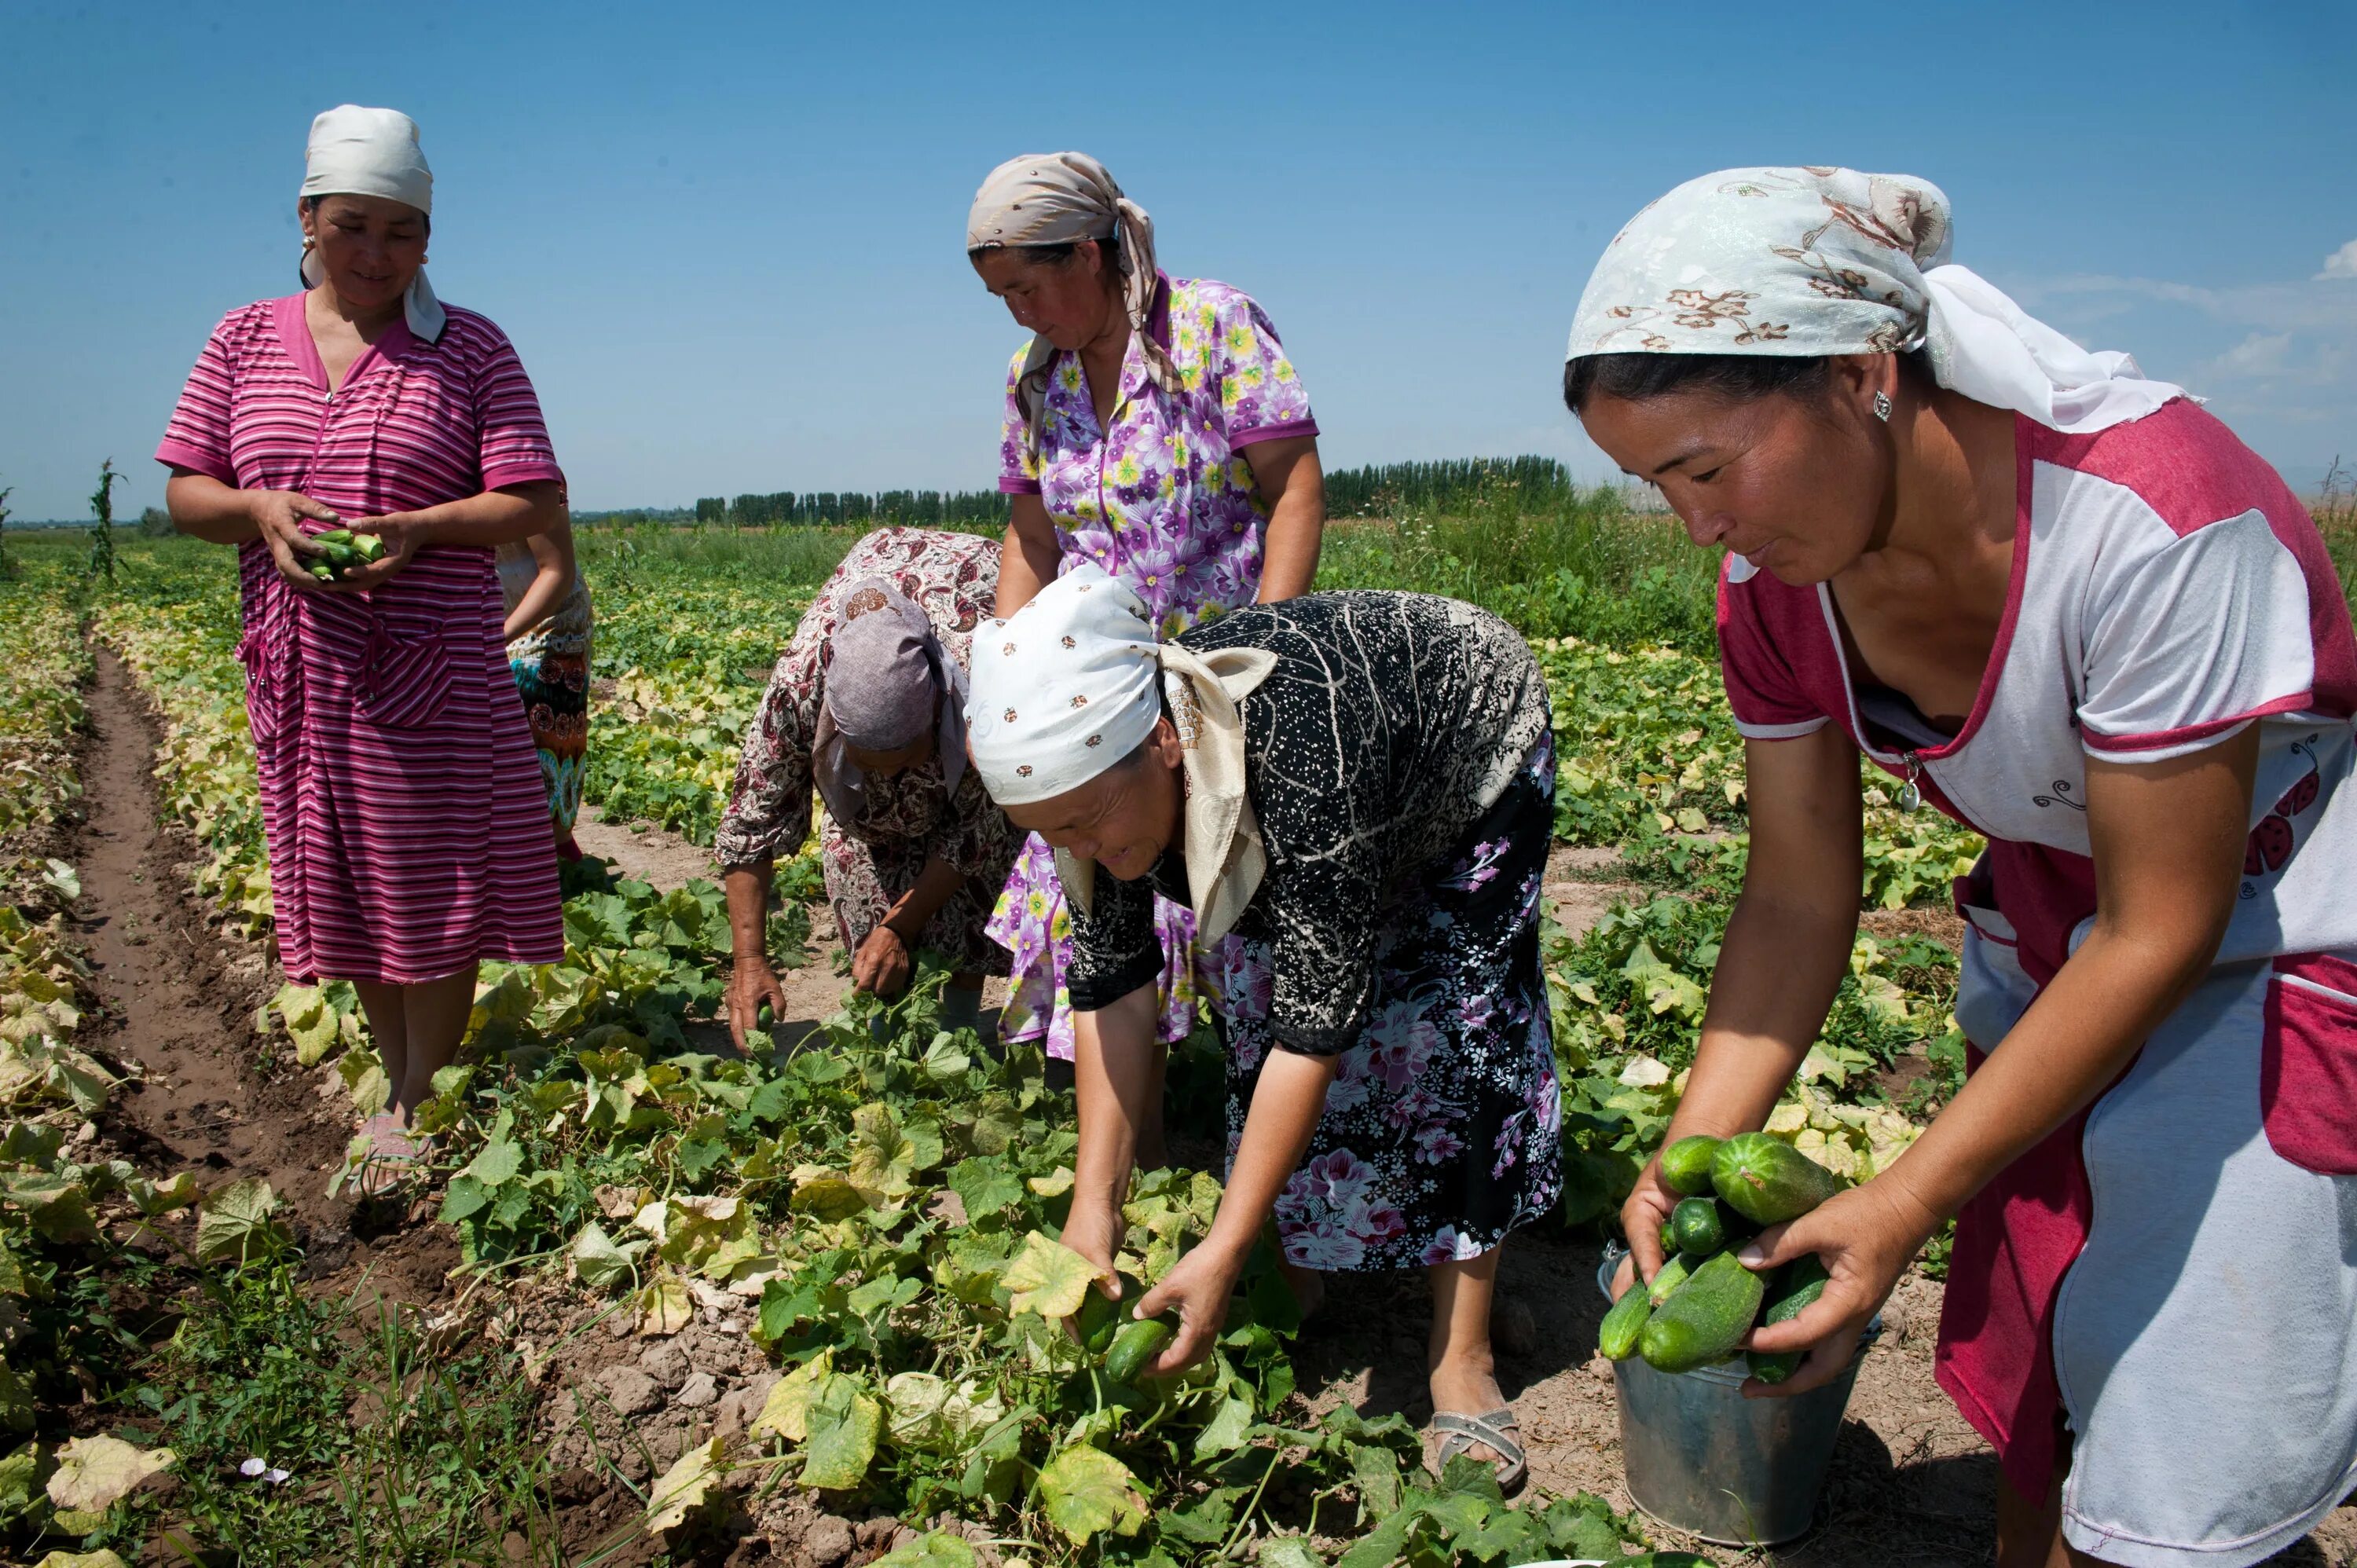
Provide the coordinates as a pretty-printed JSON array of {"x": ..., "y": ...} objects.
[
  {"x": 1828, "y": 261},
  {"x": 1073, "y": 682},
  {"x": 1061, "y": 199},
  {"x": 374, "y": 152}
]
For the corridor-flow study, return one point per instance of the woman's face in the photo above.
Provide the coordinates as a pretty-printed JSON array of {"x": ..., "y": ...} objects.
[
  {"x": 1797, "y": 486},
  {"x": 370, "y": 246},
  {"x": 891, "y": 764},
  {"x": 1067, "y": 303},
  {"x": 1124, "y": 818}
]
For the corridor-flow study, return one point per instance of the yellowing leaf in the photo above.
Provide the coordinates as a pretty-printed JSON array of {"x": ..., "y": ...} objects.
[
  {"x": 1087, "y": 1492},
  {"x": 1047, "y": 1277},
  {"x": 785, "y": 1410},
  {"x": 94, "y": 1473},
  {"x": 98, "y": 1559},
  {"x": 665, "y": 1308},
  {"x": 684, "y": 1485}
]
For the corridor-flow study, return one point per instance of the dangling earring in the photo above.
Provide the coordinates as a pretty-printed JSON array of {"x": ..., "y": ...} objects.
[{"x": 1882, "y": 406}]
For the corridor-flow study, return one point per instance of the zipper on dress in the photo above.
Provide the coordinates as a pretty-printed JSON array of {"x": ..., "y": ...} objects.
[{"x": 1910, "y": 796}]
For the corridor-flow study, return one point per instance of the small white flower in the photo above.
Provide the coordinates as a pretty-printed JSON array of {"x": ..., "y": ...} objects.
[
  {"x": 276, "y": 1477},
  {"x": 253, "y": 1468}
]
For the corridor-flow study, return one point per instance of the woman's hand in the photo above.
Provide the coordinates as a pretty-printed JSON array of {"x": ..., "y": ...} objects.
[
  {"x": 751, "y": 982},
  {"x": 278, "y": 516},
  {"x": 1866, "y": 1237},
  {"x": 1641, "y": 1218},
  {"x": 1199, "y": 1285},
  {"x": 402, "y": 534},
  {"x": 881, "y": 964}
]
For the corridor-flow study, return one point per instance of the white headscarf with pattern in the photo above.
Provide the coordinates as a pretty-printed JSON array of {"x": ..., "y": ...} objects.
[
  {"x": 1061, "y": 198},
  {"x": 1820, "y": 261},
  {"x": 374, "y": 152},
  {"x": 1073, "y": 682}
]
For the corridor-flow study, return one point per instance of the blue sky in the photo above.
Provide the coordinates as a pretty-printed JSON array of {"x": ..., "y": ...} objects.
[{"x": 727, "y": 239}]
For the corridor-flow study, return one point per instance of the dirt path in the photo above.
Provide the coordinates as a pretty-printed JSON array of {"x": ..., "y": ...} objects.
[{"x": 179, "y": 999}]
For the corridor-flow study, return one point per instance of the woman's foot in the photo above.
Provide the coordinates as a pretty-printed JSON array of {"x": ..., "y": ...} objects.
[
  {"x": 393, "y": 1155},
  {"x": 1467, "y": 1385}
]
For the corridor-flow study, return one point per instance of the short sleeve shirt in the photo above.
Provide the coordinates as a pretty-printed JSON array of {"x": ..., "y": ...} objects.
[
  {"x": 2168, "y": 590},
  {"x": 1163, "y": 499}
]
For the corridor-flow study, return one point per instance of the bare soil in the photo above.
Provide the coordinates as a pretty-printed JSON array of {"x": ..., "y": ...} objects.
[{"x": 1911, "y": 1482}]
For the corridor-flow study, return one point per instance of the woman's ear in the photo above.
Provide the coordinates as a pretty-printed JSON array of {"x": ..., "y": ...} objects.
[
  {"x": 1859, "y": 379},
  {"x": 1165, "y": 741}
]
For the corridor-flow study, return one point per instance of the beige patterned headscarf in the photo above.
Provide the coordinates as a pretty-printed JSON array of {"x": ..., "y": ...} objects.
[
  {"x": 1822, "y": 260},
  {"x": 1061, "y": 198}
]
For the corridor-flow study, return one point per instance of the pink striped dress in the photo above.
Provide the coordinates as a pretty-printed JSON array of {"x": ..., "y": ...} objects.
[{"x": 401, "y": 798}]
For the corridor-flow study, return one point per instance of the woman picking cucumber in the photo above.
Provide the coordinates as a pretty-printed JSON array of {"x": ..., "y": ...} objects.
[
  {"x": 1352, "y": 794},
  {"x": 365, "y": 448},
  {"x": 2063, "y": 604}
]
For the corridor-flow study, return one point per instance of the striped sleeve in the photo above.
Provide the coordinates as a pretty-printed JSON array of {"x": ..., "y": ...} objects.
[
  {"x": 1761, "y": 691},
  {"x": 197, "y": 438},
  {"x": 512, "y": 438}
]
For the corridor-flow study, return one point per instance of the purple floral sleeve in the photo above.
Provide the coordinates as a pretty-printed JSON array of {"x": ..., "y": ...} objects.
[
  {"x": 1261, "y": 396},
  {"x": 1018, "y": 459}
]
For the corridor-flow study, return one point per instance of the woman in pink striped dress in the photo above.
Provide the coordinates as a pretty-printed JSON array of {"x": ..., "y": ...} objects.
[{"x": 400, "y": 798}]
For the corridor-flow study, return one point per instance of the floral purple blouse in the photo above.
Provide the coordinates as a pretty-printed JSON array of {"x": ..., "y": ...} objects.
[{"x": 1165, "y": 502}]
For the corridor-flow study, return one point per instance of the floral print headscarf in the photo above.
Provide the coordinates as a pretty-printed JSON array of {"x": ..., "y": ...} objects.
[
  {"x": 1061, "y": 198},
  {"x": 1818, "y": 260}
]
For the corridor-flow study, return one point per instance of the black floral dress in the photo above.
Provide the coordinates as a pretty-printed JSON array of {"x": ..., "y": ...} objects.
[{"x": 1400, "y": 765}]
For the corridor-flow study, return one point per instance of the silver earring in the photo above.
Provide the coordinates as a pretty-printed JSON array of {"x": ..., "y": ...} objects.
[{"x": 1882, "y": 406}]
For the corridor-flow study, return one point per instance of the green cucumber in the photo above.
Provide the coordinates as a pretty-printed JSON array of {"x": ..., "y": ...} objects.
[
  {"x": 371, "y": 546},
  {"x": 1700, "y": 1227},
  {"x": 1136, "y": 1344},
  {"x": 1768, "y": 1180},
  {"x": 1668, "y": 1240},
  {"x": 333, "y": 536},
  {"x": 1705, "y": 1319},
  {"x": 1685, "y": 1165},
  {"x": 1797, "y": 1284},
  {"x": 321, "y": 570},
  {"x": 1671, "y": 1275},
  {"x": 1617, "y": 1336},
  {"x": 1097, "y": 1320}
]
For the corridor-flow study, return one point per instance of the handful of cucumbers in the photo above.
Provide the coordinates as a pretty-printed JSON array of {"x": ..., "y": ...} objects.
[
  {"x": 1123, "y": 1344},
  {"x": 1703, "y": 1301},
  {"x": 342, "y": 552}
]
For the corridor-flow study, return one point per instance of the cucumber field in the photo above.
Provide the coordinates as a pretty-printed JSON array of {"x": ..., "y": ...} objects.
[{"x": 667, "y": 1303}]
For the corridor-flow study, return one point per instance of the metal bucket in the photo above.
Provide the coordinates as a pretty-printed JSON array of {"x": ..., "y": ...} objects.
[{"x": 1701, "y": 1458}]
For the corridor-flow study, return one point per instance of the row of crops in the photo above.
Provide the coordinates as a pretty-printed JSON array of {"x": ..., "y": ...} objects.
[{"x": 884, "y": 1209}]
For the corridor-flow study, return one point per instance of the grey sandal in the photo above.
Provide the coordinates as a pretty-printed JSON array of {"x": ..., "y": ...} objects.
[{"x": 1460, "y": 1432}]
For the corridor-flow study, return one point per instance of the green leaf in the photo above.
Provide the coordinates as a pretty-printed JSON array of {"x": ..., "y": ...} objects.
[
  {"x": 464, "y": 1201},
  {"x": 234, "y": 1224},
  {"x": 1288, "y": 1552},
  {"x": 984, "y": 1184},
  {"x": 1225, "y": 1430},
  {"x": 1087, "y": 1492},
  {"x": 1047, "y": 1277},
  {"x": 934, "y": 1549},
  {"x": 845, "y": 1423},
  {"x": 495, "y": 1162},
  {"x": 597, "y": 1261}
]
